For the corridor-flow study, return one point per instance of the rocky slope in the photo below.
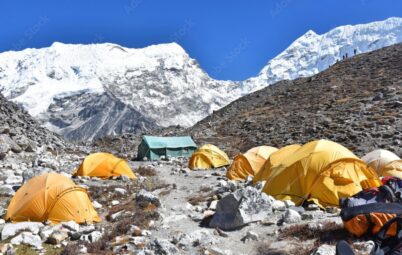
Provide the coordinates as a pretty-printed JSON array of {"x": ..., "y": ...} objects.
[
  {"x": 159, "y": 85},
  {"x": 357, "y": 102},
  {"x": 20, "y": 132}
]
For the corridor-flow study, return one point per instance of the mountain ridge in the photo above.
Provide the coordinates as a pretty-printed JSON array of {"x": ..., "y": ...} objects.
[{"x": 160, "y": 84}]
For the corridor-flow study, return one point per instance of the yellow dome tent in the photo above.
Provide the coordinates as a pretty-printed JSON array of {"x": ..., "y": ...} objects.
[
  {"x": 393, "y": 168},
  {"x": 53, "y": 197},
  {"x": 274, "y": 160},
  {"x": 208, "y": 156},
  {"x": 104, "y": 165},
  {"x": 378, "y": 159},
  {"x": 249, "y": 163},
  {"x": 322, "y": 172}
]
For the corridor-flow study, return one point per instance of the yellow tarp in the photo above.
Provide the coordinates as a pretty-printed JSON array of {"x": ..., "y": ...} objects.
[
  {"x": 51, "y": 197},
  {"x": 104, "y": 165},
  {"x": 320, "y": 171},
  {"x": 208, "y": 157},
  {"x": 274, "y": 160},
  {"x": 249, "y": 163}
]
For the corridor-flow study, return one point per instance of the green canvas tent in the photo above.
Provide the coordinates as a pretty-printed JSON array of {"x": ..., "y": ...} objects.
[{"x": 153, "y": 147}]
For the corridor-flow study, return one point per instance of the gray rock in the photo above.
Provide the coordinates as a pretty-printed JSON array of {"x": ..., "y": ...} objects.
[
  {"x": 92, "y": 237},
  {"x": 250, "y": 236},
  {"x": 291, "y": 216},
  {"x": 5, "y": 139},
  {"x": 325, "y": 249},
  {"x": 71, "y": 226},
  {"x": 4, "y": 148},
  {"x": 240, "y": 208},
  {"x": 57, "y": 237},
  {"x": 6, "y": 190},
  {"x": 28, "y": 238},
  {"x": 164, "y": 247},
  {"x": 12, "y": 229},
  {"x": 278, "y": 205},
  {"x": 217, "y": 251},
  {"x": 145, "y": 196}
]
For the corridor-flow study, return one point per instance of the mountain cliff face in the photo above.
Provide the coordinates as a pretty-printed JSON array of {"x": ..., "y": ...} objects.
[{"x": 89, "y": 91}]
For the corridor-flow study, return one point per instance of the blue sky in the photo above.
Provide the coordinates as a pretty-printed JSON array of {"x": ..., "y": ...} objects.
[{"x": 231, "y": 39}]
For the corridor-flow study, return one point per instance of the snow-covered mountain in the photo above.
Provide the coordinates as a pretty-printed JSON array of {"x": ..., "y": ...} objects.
[
  {"x": 313, "y": 53},
  {"x": 88, "y": 91}
]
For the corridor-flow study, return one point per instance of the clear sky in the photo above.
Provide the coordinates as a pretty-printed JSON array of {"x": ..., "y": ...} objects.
[{"x": 231, "y": 39}]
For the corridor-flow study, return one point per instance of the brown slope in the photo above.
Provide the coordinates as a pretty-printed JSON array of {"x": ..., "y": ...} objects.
[{"x": 356, "y": 102}]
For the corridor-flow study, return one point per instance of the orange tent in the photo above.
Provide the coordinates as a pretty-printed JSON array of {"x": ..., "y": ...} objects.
[
  {"x": 249, "y": 163},
  {"x": 104, "y": 165},
  {"x": 53, "y": 197},
  {"x": 274, "y": 160}
]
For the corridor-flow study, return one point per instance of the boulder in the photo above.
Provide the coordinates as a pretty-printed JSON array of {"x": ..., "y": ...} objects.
[
  {"x": 240, "y": 208},
  {"x": 12, "y": 229},
  {"x": 6, "y": 190},
  {"x": 278, "y": 205},
  {"x": 6, "y": 140},
  {"x": 92, "y": 237},
  {"x": 291, "y": 216},
  {"x": 28, "y": 238}
]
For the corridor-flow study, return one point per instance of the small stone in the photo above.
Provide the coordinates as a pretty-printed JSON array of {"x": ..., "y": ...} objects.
[
  {"x": 96, "y": 205},
  {"x": 291, "y": 216},
  {"x": 163, "y": 246},
  {"x": 289, "y": 203},
  {"x": 115, "y": 202},
  {"x": 71, "y": 225},
  {"x": 313, "y": 207},
  {"x": 325, "y": 249},
  {"x": 57, "y": 237},
  {"x": 213, "y": 204},
  {"x": 92, "y": 237},
  {"x": 217, "y": 251},
  {"x": 7, "y": 190},
  {"x": 278, "y": 205},
  {"x": 250, "y": 236},
  {"x": 120, "y": 191},
  {"x": 145, "y": 196}
]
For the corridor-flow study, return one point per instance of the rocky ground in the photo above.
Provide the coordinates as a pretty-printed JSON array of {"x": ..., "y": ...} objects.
[{"x": 170, "y": 210}]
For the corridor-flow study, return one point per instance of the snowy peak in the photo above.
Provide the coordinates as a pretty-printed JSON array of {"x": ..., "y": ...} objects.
[
  {"x": 312, "y": 53},
  {"x": 159, "y": 85}
]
